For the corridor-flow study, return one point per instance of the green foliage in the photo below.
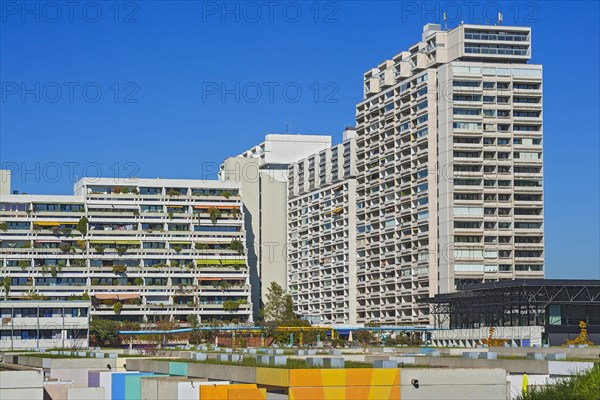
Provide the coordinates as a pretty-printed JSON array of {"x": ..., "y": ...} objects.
[
  {"x": 117, "y": 307},
  {"x": 214, "y": 213},
  {"x": 237, "y": 245},
  {"x": 121, "y": 250},
  {"x": 26, "y": 245},
  {"x": 85, "y": 296},
  {"x": 104, "y": 332},
  {"x": 177, "y": 249},
  {"x": 583, "y": 386},
  {"x": 230, "y": 305},
  {"x": 119, "y": 269},
  {"x": 23, "y": 264},
  {"x": 173, "y": 192},
  {"x": 279, "y": 307},
  {"x": 139, "y": 281},
  {"x": 3, "y": 226},
  {"x": 201, "y": 246},
  {"x": 65, "y": 247},
  {"x": 226, "y": 194},
  {"x": 6, "y": 285},
  {"x": 99, "y": 249}
]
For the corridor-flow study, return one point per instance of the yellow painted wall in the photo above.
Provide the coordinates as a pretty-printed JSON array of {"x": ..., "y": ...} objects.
[
  {"x": 220, "y": 392},
  {"x": 247, "y": 394},
  {"x": 273, "y": 376}
]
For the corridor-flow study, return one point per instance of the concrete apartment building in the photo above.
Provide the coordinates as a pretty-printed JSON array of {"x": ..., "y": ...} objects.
[
  {"x": 449, "y": 170},
  {"x": 140, "y": 249},
  {"x": 262, "y": 173},
  {"x": 322, "y": 234},
  {"x": 29, "y": 324}
]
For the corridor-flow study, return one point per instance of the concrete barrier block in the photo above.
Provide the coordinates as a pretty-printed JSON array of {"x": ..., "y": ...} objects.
[
  {"x": 262, "y": 360},
  {"x": 314, "y": 362},
  {"x": 278, "y": 360},
  {"x": 311, "y": 352},
  {"x": 252, "y": 351},
  {"x": 335, "y": 362},
  {"x": 470, "y": 354},
  {"x": 234, "y": 357},
  {"x": 435, "y": 353},
  {"x": 228, "y": 350},
  {"x": 556, "y": 356},
  {"x": 388, "y": 350},
  {"x": 202, "y": 347},
  {"x": 199, "y": 356},
  {"x": 113, "y": 355},
  {"x": 536, "y": 356},
  {"x": 337, "y": 353},
  {"x": 385, "y": 364},
  {"x": 490, "y": 355}
]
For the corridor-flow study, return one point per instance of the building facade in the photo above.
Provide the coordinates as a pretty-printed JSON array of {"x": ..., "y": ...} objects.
[
  {"x": 322, "y": 234},
  {"x": 449, "y": 170},
  {"x": 30, "y": 324},
  {"x": 262, "y": 173},
  {"x": 139, "y": 249}
]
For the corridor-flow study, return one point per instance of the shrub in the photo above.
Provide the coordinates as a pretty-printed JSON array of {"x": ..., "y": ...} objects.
[
  {"x": 121, "y": 250},
  {"x": 230, "y": 305},
  {"x": 99, "y": 249},
  {"x": 201, "y": 246},
  {"x": 214, "y": 213},
  {"x": 4, "y": 226},
  {"x": 65, "y": 247},
  {"x": 82, "y": 225},
  {"x": 139, "y": 281},
  {"x": 237, "y": 245},
  {"x": 177, "y": 249},
  {"x": 119, "y": 269},
  {"x": 226, "y": 194},
  {"x": 173, "y": 192},
  {"x": 23, "y": 264},
  {"x": 117, "y": 307}
]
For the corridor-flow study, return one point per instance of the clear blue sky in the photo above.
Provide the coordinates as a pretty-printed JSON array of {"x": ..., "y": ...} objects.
[{"x": 161, "y": 68}]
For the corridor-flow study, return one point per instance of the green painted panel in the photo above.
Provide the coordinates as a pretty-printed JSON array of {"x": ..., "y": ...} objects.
[{"x": 178, "y": 368}]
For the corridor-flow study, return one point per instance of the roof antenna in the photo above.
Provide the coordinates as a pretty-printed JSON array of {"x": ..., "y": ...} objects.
[
  {"x": 445, "y": 21},
  {"x": 500, "y": 18}
]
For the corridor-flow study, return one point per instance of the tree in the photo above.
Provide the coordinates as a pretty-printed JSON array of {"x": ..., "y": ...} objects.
[
  {"x": 279, "y": 308},
  {"x": 104, "y": 332},
  {"x": 214, "y": 214},
  {"x": 6, "y": 285},
  {"x": 82, "y": 225},
  {"x": 117, "y": 307}
]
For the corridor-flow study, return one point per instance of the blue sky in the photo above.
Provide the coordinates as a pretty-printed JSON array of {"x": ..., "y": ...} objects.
[{"x": 152, "y": 89}]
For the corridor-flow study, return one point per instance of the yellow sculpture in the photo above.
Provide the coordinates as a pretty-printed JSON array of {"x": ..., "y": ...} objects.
[
  {"x": 493, "y": 342},
  {"x": 583, "y": 336}
]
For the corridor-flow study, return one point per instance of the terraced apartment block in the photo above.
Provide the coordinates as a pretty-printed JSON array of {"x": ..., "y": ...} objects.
[{"x": 140, "y": 249}]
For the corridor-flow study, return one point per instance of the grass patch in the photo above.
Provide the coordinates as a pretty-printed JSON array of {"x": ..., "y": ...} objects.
[
  {"x": 251, "y": 362},
  {"x": 584, "y": 386}
]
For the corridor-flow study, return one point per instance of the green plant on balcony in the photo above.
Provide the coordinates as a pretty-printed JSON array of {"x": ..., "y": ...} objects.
[
  {"x": 82, "y": 225},
  {"x": 138, "y": 281},
  {"x": 116, "y": 190},
  {"x": 226, "y": 194},
  {"x": 230, "y": 305},
  {"x": 121, "y": 250},
  {"x": 135, "y": 191},
  {"x": 56, "y": 231},
  {"x": 177, "y": 249},
  {"x": 95, "y": 281},
  {"x": 3, "y": 226},
  {"x": 125, "y": 190},
  {"x": 99, "y": 249},
  {"x": 190, "y": 265},
  {"x": 224, "y": 285},
  {"x": 44, "y": 269},
  {"x": 117, "y": 307},
  {"x": 119, "y": 269},
  {"x": 78, "y": 263},
  {"x": 81, "y": 244},
  {"x": 26, "y": 245},
  {"x": 174, "y": 263},
  {"x": 170, "y": 214},
  {"x": 85, "y": 296},
  {"x": 173, "y": 192},
  {"x": 237, "y": 245},
  {"x": 201, "y": 246},
  {"x": 23, "y": 264},
  {"x": 65, "y": 247},
  {"x": 6, "y": 285},
  {"x": 53, "y": 271},
  {"x": 66, "y": 231},
  {"x": 136, "y": 213},
  {"x": 37, "y": 227},
  {"x": 214, "y": 214}
]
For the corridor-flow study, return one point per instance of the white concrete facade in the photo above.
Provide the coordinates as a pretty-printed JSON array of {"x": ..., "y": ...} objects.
[
  {"x": 159, "y": 248},
  {"x": 262, "y": 172},
  {"x": 29, "y": 324},
  {"x": 449, "y": 170},
  {"x": 322, "y": 234}
]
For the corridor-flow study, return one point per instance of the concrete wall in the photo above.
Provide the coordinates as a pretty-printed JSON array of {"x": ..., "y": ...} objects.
[
  {"x": 473, "y": 337},
  {"x": 21, "y": 385},
  {"x": 453, "y": 384},
  {"x": 96, "y": 393}
]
